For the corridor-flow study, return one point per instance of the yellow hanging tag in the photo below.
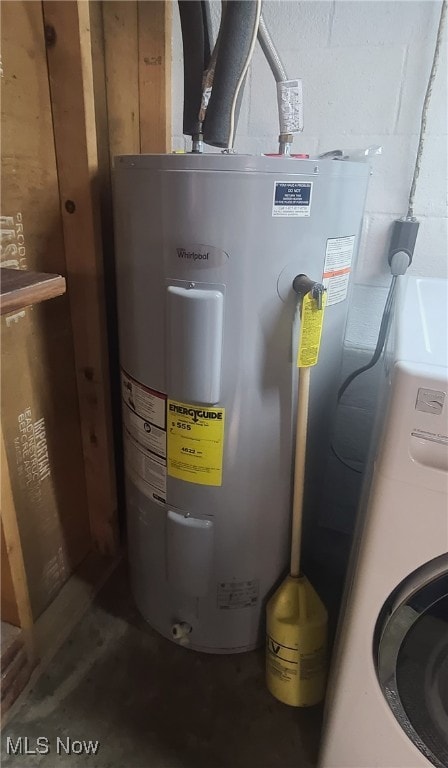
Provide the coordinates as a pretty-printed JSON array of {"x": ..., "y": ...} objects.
[{"x": 311, "y": 322}]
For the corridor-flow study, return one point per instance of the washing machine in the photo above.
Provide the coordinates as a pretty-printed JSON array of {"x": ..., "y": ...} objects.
[{"x": 387, "y": 700}]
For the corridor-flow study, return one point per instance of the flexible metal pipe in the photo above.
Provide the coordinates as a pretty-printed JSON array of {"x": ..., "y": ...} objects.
[{"x": 270, "y": 52}]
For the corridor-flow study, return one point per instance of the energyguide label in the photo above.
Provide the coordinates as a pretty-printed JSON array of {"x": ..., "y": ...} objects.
[{"x": 195, "y": 442}]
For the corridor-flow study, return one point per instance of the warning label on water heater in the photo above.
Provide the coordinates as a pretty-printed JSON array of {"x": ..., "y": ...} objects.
[
  {"x": 144, "y": 432},
  {"x": 237, "y": 594},
  {"x": 195, "y": 443},
  {"x": 337, "y": 267},
  {"x": 292, "y": 198}
]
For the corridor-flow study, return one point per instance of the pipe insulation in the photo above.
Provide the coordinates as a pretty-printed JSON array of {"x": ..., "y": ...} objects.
[
  {"x": 237, "y": 38},
  {"x": 208, "y": 31},
  {"x": 194, "y": 45},
  {"x": 209, "y": 74}
]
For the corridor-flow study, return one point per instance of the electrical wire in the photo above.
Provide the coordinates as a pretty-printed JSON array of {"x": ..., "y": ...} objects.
[
  {"x": 344, "y": 462},
  {"x": 382, "y": 335},
  {"x": 231, "y": 139},
  {"x": 426, "y": 102}
]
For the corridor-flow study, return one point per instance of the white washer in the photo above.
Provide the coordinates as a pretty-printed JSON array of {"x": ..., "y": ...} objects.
[{"x": 387, "y": 701}]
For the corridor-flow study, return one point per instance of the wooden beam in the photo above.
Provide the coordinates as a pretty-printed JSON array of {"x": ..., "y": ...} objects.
[
  {"x": 120, "y": 20},
  {"x": 72, "y": 94},
  {"x": 154, "y": 67},
  {"x": 9, "y": 611},
  {"x": 21, "y": 287}
]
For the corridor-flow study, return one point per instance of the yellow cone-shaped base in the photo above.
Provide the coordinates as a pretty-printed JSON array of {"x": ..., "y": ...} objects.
[{"x": 296, "y": 638}]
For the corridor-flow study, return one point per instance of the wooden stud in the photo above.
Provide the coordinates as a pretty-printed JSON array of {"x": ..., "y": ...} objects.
[
  {"x": 154, "y": 67},
  {"x": 72, "y": 93},
  {"x": 13, "y": 545},
  {"x": 9, "y": 612},
  {"x": 120, "y": 22}
]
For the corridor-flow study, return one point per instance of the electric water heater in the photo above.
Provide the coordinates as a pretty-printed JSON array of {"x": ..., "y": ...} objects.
[{"x": 207, "y": 249}]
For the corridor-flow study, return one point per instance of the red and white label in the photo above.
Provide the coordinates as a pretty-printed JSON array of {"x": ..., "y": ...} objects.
[
  {"x": 337, "y": 267},
  {"x": 144, "y": 432}
]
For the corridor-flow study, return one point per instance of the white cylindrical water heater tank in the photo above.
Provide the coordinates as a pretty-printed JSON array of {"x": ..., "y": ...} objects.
[{"x": 207, "y": 249}]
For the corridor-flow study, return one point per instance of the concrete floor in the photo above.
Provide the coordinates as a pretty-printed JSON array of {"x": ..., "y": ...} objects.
[{"x": 152, "y": 704}]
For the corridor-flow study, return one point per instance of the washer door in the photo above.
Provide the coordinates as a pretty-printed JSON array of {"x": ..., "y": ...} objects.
[{"x": 411, "y": 656}]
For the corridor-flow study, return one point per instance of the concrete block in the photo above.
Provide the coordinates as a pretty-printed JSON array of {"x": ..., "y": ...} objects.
[
  {"x": 431, "y": 249},
  {"x": 364, "y": 317},
  {"x": 431, "y": 197},
  {"x": 383, "y": 22},
  {"x": 391, "y": 170},
  {"x": 372, "y": 266},
  {"x": 415, "y": 81},
  {"x": 257, "y": 145},
  {"x": 346, "y": 90},
  {"x": 263, "y": 113},
  {"x": 295, "y": 24}
]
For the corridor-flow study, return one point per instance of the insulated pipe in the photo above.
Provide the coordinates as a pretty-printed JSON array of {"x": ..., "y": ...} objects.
[
  {"x": 207, "y": 81},
  {"x": 270, "y": 52},
  {"x": 194, "y": 45},
  {"x": 208, "y": 31},
  {"x": 238, "y": 35}
]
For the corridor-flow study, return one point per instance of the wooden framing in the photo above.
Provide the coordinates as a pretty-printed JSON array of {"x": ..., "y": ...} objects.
[
  {"x": 154, "y": 75},
  {"x": 72, "y": 98},
  {"x": 98, "y": 76},
  {"x": 120, "y": 22},
  {"x": 12, "y": 540}
]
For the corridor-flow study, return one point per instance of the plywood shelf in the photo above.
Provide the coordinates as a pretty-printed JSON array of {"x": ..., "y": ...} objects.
[{"x": 21, "y": 287}]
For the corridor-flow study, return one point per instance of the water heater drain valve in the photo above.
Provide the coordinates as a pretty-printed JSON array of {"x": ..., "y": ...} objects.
[{"x": 180, "y": 632}]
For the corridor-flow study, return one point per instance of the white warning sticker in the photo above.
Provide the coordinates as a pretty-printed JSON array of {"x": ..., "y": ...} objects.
[
  {"x": 145, "y": 402},
  {"x": 292, "y": 198},
  {"x": 144, "y": 432},
  {"x": 146, "y": 470},
  {"x": 337, "y": 267},
  {"x": 237, "y": 594}
]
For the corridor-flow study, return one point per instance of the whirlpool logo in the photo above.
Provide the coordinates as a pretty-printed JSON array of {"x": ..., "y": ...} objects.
[{"x": 182, "y": 253}]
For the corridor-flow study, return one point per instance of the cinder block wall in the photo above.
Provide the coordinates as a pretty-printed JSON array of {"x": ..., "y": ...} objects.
[{"x": 365, "y": 66}]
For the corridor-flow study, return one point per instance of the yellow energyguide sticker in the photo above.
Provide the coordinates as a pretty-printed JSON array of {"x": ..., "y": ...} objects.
[
  {"x": 195, "y": 442},
  {"x": 311, "y": 322}
]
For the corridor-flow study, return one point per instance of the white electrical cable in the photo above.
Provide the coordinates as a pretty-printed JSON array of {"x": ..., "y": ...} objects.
[
  {"x": 426, "y": 102},
  {"x": 231, "y": 139}
]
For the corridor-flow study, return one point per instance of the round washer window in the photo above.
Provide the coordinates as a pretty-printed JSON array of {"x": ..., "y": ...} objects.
[{"x": 411, "y": 654}]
